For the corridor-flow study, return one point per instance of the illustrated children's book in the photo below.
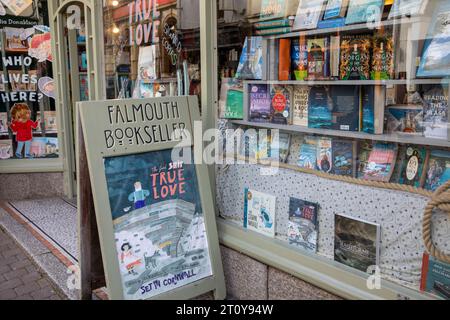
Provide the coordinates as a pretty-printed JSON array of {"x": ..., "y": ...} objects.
[
  {"x": 383, "y": 57},
  {"x": 259, "y": 212},
  {"x": 365, "y": 148},
  {"x": 281, "y": 104},
  {"x": 265, "y": 145},
  {"x": 299, "y": 58},
  {"x": 251, "y": 61},
  {"x": 381, "y": 162},
  {"x": 303, "y": 224},
  {"x": 260, "y": 103},
  {"x": 3, "y": 123},
  {"x": 364, "y": 11},
  {"x": 16, "y": 81},
  {"x": 335, "y": 9},
  {"x": 147, "y": 64},
  {"x": 325, "y": 155},
  {"x": 279, "y": 146},
  {"x": 435, "y": 277},
  {"x": 44, "y": 148},
  {"x": 146, "y": 90},
  {"x": 355, "y": 57},
  {"x": 39, "y": 122},
  {"x": 407, "y": 8},
  {"x": 320, "y": 107},
  {"x": 413, "y": 166},
  {"x": 357, "y": 243},
  {"x": 308, "y": 153},
  {"x": 32, "y": 85},
  {"x": 308, "y": 14},
  {"x": 17, "y": 38},
  {"x": 227, "y": 84},
  {"x": 17, "y": 7},
  {"x": 404, "y": 119},
  {"x": 345, "y": 157},
  {"x": 435, "y": 112},
  {"x": 300, "y": 102},
  {"x": 6, "y": 149},
  {"x": 50, "y": 120},
  {"x": 234, "y": 107},
  {"x": 435, "y": 61},
  {"x": 438, "y": 169},
  {"x": 318, "y": 58}
]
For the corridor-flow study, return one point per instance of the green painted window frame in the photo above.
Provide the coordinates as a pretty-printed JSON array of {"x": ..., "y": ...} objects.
[{"x": 325, "y": 274}]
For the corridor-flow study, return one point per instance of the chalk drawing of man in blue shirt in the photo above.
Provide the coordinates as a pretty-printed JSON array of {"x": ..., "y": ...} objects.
[{"x": 138, "y": 196}]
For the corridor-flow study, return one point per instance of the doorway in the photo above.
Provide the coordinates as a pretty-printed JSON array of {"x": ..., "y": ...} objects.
[{"x": 77, "y": 46}]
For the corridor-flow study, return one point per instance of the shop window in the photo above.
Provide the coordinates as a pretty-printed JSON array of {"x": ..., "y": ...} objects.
[
  {"x": 28, "y": 120},
  {"x": 349, "y": 101},
  {"x": 152, "y": 48}
]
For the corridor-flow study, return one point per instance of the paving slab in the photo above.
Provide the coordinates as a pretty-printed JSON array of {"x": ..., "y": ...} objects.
[{"x": 21, "y": 278}]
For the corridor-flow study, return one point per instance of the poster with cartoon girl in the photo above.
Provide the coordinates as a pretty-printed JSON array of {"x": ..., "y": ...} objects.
[{"x": 22, "y": 126}]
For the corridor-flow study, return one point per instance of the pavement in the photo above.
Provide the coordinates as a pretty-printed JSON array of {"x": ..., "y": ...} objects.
[{"x": 20, "y": 277}]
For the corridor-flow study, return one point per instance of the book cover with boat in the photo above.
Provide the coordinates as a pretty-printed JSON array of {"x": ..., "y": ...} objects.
[
  {"x": 435, "y": 277},
  {"x": 308, "y": 153},
  {"x": 344, "y": 157},
  {"x": 259, "y": 212},
  {"x": 303, "y": 224},
  {"x": 320, "y": 107},
  {"x": 357, "y": 242},
  {"x": 381, "y": 162}
]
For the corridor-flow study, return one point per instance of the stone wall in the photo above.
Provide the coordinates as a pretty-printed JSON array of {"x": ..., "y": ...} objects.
[
  {"x": 248, "y": 279},
  {"x": 31, "y": 186}
]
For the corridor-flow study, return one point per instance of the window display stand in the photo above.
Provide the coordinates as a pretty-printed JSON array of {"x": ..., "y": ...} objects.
[{"x": 316, "y": 269}]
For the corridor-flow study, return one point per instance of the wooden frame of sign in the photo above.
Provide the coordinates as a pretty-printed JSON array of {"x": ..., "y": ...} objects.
[{"x": 152, "y": 200}]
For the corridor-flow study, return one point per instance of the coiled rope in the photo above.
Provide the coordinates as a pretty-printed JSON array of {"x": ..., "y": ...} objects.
[{"x": 440, "y": 200}]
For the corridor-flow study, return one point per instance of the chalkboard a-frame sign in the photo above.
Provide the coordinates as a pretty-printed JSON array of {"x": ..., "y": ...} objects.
[{"x": 154, "y": 212}]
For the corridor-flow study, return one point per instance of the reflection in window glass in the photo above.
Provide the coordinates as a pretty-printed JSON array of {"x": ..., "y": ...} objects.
[
  {"x": 152, "y": 48},
  {"x": 355, "y": 89}
]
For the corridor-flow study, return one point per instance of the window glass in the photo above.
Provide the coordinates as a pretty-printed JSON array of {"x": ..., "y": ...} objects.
[
  {"x": 28, "y": 122},
  {"x": 349, "y": 100},
  {"x": 152, "y": 48}
]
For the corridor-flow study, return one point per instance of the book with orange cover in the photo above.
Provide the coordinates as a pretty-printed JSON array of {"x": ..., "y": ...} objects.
[{"x": 284, "y": 69}]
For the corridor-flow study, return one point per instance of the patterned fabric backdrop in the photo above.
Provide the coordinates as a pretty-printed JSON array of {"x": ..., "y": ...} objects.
[{"x": 398, "y": 213}]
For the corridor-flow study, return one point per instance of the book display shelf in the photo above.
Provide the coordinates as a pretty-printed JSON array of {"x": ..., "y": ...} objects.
[{"x": 348, "y": 100}]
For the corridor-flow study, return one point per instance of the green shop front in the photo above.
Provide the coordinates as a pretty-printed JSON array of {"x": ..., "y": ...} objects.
[{"x": 334, "y": 186}]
